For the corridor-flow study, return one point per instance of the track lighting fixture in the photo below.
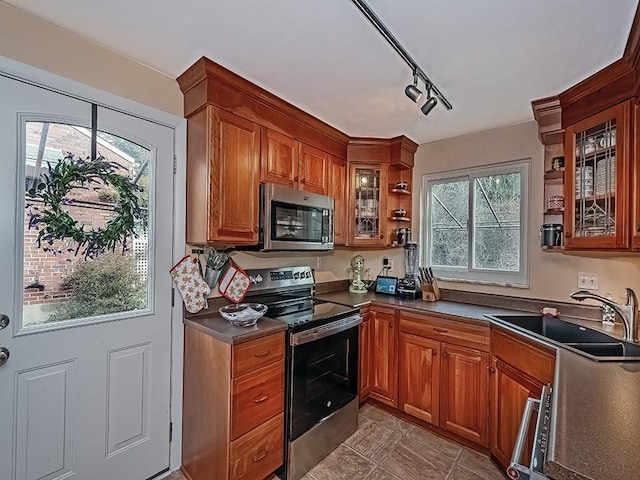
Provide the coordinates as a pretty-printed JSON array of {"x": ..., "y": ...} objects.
[
  {"x": 412, "y": 91},
  {"x": 430, "y": 103}
]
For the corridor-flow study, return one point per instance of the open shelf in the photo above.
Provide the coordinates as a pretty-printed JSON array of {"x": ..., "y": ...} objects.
[
  {"x": 554, "y": 174},
  {"x": 400, "y": 219},
  {"x": 401, "y": 191},
  {"x": 554, "y": 211},
  {"x": 597, "y": 198},
  {"x": 552, "y": 248}
]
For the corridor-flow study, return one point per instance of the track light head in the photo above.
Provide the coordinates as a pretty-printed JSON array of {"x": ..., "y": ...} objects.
[
  {"x": 429, "y": 105},
  {"x": 413, "y": 92}
]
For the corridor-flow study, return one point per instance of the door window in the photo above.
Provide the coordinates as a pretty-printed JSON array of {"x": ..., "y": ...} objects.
[{"x": 67, "y": 277}]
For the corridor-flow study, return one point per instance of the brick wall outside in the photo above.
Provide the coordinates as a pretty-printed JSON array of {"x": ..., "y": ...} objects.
[{"x": 91, "y": 210}]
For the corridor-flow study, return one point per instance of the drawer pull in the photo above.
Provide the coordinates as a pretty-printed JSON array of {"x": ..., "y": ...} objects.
[
  {"x": 263, "y": 354},
  {"x": 261, "y": 399},
  {"x": 444, "y": 355},
  {"x": 440, "y": 330},
  {"x": 260, "y": 456}
]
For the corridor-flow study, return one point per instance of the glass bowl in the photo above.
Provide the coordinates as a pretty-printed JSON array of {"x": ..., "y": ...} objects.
[{"x": 243, "y": 314}]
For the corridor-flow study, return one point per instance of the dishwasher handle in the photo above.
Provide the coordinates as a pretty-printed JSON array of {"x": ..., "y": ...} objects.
[{"x": 516, "y": 468}]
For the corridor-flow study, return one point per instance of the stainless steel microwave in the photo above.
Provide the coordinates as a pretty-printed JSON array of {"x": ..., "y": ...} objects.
[{"x": 293, "y": 219}]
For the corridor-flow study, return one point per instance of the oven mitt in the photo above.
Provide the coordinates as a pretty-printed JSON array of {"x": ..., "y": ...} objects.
[
  {"x": 234, "y": 284},
  {"x": 187, "y": 277}
]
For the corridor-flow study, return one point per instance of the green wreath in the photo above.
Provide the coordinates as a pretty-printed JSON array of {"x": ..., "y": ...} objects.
[{"x": 52, "y": 219}]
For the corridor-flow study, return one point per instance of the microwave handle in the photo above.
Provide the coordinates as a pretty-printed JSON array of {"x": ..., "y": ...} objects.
[
  {"x": 331, "y": 226},
  {"x": 515, "y": 468}
]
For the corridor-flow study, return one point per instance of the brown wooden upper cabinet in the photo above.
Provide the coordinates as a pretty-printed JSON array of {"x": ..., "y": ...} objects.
[
  {"x": 367, "y": 223},
  {"x": 337, "y": 181},
  {"x": 287, "y": 161},
  {"x": 222, "y": 178},
  {"x": 597, "y": 180},
  {"x": 635, "y": 225}
]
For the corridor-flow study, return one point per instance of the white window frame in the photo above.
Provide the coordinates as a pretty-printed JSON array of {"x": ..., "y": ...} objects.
[{"x": 470, "y": 274}]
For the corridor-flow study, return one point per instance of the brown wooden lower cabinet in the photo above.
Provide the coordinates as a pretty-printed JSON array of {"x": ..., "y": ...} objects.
[
  {"x": 419, "y": 371},
  {"x": 464, "y": 393},
  {"x": 233, "y": 404},
  {"x": 519, "y": 369},
  {"x": 384, "y": 356},
  {"x": 364, "y": 354},
  {"x": 510, "y": 390}
]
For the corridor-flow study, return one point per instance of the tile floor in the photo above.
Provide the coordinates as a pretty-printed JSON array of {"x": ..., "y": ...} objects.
[{"x": 388, "y": 448}]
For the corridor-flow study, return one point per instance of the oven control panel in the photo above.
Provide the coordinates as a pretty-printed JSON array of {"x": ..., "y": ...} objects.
[{"x": 269, "y": 278}]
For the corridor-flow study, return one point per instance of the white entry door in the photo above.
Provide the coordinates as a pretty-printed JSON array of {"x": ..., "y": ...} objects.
[{"x": 85, "y": 390}]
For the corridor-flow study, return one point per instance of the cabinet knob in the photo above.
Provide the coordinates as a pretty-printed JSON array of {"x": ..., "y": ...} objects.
[
  {"x": 391, "y": 325},
  {"x": 492, "y": 370},
  {"x": 303, "y": 180},
  {"x": 295, "y": 179},
  {"x": 382, "y": 235},
  {"x": 444, "y": 355},
  {"x": 638, "y": 228},
  {"x": 255, "y": 229},
  {"x": 567, "y": 234}
]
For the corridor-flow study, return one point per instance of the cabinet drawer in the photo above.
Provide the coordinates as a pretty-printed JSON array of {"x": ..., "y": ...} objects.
[
  {"x": 259, "y": 452},
  {"x": 450, "y": 331},
  {"x": 257, "y": 353},
  {"x": 536, "y": 362},
  {"x": 257, "y": 396}
]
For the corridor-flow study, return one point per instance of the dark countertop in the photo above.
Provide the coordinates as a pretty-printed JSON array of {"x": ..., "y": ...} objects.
[
  {"x": 463, "y": 311},
  {"x": 596, "y": 415},
  {"x": 213, "y": 324}
]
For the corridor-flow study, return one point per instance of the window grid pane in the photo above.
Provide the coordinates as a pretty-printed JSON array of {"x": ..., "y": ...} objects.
[
  {"x": 449, "y": 223},
  {"x": 496, "y": 236}
]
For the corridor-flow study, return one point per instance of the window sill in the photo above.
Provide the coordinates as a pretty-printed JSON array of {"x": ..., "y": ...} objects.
[{"x": 484, "y": 282}]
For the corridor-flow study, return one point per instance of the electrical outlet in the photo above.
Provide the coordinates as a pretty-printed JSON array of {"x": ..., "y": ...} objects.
[
  {"x": 385, "y": 262},
  {"x": 588, "y": 280}
]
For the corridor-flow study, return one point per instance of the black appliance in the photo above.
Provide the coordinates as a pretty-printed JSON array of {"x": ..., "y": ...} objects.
[{"x": 321, "y": 407}]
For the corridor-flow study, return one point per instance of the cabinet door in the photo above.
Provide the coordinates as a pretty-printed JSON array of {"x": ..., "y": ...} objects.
[
  {"x": 337, "y": 188},
  {"x": 384, "y": 367},
  {"x": 313, "y": 169},
  {"x": 635, "y": 226},
  {"x": 509, "y": 392},
  {"x": 233, "y": 215},
  {"x": 366, "y": 219},
  {"x": 365, "y": 356},
  {"x": 464, "y": 393},
  {"x": 419, "y": 377},
  {"x": 278, "y": 158},
  {"x": 597, "y": 181}
]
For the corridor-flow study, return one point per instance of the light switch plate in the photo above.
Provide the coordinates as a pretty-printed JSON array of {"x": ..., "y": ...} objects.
[{"x": 587, "y": 281}]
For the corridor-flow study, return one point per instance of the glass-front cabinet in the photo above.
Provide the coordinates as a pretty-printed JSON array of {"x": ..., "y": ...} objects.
[
  {"x": 635, "y": 226},
  {"x": 367, "y": 204},
  {"x": 597, "y": 180}
]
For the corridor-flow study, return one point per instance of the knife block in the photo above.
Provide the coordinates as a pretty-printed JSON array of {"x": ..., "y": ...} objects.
[{"x": 430, "y": 292}]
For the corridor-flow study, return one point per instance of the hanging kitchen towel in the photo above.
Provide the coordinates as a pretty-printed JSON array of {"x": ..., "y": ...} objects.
[
  {"x": 234, "y": 283},
  {"x": 187, "y": 277}
]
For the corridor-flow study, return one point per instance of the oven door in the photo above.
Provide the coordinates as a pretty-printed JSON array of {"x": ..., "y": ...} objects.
[{"x": 324, "y": 372}]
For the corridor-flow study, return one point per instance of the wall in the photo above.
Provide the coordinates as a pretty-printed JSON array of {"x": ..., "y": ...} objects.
[
  {"x": 552, "y": 274},
  {"x": 30, "y": 40}
]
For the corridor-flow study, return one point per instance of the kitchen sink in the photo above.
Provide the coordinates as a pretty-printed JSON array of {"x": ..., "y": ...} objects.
[{"x": 583, "y": 340}]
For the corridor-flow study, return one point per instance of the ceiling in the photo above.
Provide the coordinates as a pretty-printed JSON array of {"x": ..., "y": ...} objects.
[{"x": 490, "y": 58}]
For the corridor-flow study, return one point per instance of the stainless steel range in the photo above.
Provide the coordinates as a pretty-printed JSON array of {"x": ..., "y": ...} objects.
[{"x": 321, "y": 408}]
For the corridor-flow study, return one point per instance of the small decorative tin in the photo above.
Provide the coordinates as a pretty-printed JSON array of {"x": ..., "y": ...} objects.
[
  {"x": 555, "y": 203},
  {"x": 557, "y": 163}
]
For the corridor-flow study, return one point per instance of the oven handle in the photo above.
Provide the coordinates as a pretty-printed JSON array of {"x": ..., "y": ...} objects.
[{"x": 323, "y": 331}]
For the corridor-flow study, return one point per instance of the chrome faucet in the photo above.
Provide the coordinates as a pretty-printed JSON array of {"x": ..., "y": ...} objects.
[{"x": 627, "y": 312}]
